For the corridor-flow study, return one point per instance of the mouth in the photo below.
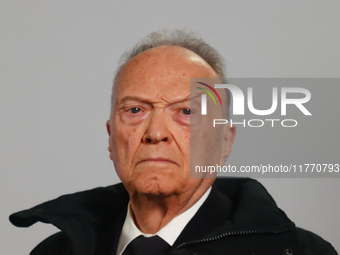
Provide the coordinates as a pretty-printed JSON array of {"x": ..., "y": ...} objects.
[{"x": 157, "y": 160}]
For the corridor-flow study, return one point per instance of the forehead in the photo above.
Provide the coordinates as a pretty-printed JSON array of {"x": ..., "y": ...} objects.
[{"x": 161, "y": 70}]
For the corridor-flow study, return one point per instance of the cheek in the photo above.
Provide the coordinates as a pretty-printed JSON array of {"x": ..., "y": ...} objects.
[
  {"x": 204, "y": 144},
  {"x": 181, "y": 136},
  {"x": 125, "y": 141}
]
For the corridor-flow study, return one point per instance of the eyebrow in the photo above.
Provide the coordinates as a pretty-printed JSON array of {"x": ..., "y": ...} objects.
[
  {"x": 195, "y": 96},
  {"x": 148, "y": 101},
  {"x": 133, "y": 98}
]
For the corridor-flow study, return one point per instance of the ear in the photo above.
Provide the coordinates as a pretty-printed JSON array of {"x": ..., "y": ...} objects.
[
  {"x": 108, "y": 128},
  {"x": 229, "y": 133}
]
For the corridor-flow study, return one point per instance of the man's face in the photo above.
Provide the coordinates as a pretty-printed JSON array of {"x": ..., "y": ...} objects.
[{"x": 149, "y": 129}]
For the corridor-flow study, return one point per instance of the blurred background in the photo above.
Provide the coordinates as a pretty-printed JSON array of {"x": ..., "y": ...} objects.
[{"x": 57, "y": 64}]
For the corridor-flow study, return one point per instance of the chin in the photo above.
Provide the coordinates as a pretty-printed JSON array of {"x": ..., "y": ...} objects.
[{"x": 156, "y": 185}]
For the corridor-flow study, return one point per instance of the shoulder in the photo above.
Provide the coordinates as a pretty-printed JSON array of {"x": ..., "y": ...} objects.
[
  {"x": 57, "y": 244},
  {"x": 82, "y": 217},
  {"x": 311, "y": 243}
]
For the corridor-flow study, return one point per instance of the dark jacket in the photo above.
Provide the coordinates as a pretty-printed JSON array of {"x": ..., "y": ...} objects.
[{"x": 239, "y": 217}]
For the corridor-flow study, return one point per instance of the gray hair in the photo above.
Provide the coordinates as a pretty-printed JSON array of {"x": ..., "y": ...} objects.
[{"x": 181, "y": 38}]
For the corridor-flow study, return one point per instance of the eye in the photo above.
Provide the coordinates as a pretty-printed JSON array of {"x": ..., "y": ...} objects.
[
  {"x": 135, "y": 110},
  {"x": 186, "y": 111}
]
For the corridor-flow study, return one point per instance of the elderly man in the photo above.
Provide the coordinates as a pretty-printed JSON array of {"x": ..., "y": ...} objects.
[{"x": 159, "y": 208}]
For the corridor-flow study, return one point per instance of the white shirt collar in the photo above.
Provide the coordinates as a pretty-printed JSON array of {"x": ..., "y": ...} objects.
[{"x": 168, "y": 233}]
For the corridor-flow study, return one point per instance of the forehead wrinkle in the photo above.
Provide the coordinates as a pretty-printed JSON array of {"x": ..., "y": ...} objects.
[{"x": 174, "y": 100}]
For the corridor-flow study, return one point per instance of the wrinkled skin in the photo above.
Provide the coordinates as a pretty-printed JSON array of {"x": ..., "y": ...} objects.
[{"x": 149, "y": 134}]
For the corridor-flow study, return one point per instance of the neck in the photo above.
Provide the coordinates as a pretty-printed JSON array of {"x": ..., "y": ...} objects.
[{"x": 152, "y": 212}]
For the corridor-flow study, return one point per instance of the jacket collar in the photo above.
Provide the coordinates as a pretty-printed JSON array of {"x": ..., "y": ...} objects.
[{"x": 90, "y": 216}]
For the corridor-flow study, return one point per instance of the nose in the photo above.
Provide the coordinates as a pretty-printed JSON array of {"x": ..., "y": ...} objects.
[{"x": 157, "y": 129}]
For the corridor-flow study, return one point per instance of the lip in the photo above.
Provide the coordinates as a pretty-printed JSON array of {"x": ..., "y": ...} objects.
[{"x": 158, "y": 160}]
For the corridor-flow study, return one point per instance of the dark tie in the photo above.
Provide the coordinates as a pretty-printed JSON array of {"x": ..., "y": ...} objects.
[{"x": 148, "y": 246}]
